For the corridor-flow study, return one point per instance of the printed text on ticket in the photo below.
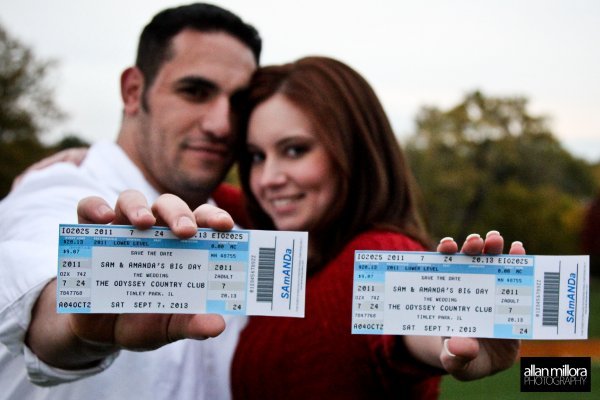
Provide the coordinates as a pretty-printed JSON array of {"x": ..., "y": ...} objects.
[
  {"x": 120, "y": 269},
  {"x": 503, "y": 296}
]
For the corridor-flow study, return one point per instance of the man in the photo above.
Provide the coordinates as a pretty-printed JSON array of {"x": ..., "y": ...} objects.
[{"x": 176, "y": 136}]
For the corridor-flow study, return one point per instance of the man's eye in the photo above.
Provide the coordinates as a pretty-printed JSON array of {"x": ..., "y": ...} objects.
[{"x": 196, "y": 93}]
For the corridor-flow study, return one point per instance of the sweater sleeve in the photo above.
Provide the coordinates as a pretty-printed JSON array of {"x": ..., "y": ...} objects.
[{"x": 390, "y": 351}]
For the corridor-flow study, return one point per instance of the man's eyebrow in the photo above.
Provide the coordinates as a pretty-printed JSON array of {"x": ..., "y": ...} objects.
[{"x": 197, "y": 81}]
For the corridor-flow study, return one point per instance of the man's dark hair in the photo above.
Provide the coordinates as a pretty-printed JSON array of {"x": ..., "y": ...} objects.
[{"x": 155, "y": 40}]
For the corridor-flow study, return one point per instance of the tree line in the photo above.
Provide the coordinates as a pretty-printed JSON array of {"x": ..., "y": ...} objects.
[
  {"x": 27, "y": 110},
  {"x": 487, "y": 162}
]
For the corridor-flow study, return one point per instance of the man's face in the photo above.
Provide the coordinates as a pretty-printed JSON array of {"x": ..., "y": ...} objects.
[{"x": 186, "y": 135}]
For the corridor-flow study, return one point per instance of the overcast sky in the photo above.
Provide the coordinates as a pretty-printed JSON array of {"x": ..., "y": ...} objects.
[{"x": 414, "y": 53}]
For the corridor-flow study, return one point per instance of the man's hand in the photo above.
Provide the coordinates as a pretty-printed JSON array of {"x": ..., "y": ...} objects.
[
  {"x": 72, "y": 341},
  {"x": 473, "y": 358}
]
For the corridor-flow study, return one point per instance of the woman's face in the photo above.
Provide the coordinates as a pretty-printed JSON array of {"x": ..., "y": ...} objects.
[{"x": 291, "y": 173}]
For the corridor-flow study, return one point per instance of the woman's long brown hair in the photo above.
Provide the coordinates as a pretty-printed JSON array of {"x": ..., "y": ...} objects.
[{"x": 375, "y": 185}]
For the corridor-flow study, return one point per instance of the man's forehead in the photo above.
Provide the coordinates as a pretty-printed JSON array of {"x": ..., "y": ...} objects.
[
  {"x": 211, "y": 55},
  {"x": 214, "y": 57}
]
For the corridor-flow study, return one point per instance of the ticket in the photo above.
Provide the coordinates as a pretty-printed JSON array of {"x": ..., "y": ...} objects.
[
  {"x": 120, "y": 269},
  {"x": 501, "y": 296}
]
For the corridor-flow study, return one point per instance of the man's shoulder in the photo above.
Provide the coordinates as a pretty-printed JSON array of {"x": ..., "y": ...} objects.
[
  {"x": 54, "y": 190},
  {"x": 63, "y": 173},
  {"x": 54, "y": 179}
]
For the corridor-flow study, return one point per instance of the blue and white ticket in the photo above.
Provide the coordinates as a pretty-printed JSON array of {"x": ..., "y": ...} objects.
[
  {"x": 502, "y": 296},
  {"x": 120, "y": 269}
]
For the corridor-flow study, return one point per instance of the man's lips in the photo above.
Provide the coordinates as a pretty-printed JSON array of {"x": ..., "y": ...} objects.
[{"x": 217, "y": 150}]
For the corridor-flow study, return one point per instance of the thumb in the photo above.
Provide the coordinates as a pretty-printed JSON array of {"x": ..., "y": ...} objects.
[
  {"x": 457, "y": 354},
  {"x": 195, "y": 326}
]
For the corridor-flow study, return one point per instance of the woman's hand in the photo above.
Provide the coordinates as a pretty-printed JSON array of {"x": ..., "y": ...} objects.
[
  {"x": 462, "y": 357},
  {"x": 473, "y": 358}
]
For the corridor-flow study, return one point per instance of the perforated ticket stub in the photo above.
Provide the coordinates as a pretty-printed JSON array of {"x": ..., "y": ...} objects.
[
  {"x": 504, "y": 296},
  {"x": 120, "y": 269}
]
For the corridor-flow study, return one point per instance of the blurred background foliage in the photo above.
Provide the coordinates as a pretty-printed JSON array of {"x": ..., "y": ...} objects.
[
  {"x": 484, "y": 163},
  {"x": 488, "y": 163},
  {"x": 27, "y": 110}
]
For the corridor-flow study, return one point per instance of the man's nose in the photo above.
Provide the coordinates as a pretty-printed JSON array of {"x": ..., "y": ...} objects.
[{"x": 217, "y": 118}]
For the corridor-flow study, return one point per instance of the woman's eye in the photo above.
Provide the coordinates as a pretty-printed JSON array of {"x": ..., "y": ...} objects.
[{"x": 296, "y": 151}]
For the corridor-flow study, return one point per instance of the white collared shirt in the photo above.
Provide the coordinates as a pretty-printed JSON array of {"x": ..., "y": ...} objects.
[{"x": 29, "y": 219}]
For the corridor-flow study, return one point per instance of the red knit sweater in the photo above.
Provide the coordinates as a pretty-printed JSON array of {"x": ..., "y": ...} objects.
[
  {"x": 230, "y": 199},
  {"x": 317, "y": 357}
]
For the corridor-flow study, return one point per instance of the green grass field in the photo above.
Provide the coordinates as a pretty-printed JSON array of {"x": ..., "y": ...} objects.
[
  {"x": 594, "y": 331},
  {"x": 506, "y": 385}
]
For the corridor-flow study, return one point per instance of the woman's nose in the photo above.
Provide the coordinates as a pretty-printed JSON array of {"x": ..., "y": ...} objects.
[{"x": 273, "y": 173}]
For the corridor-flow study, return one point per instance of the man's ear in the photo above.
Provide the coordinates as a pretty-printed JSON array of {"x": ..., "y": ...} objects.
[{"x": 132, "y": 88}]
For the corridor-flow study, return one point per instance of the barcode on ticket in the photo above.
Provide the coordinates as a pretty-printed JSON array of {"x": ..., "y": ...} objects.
[
  {"x": 120, "y": 269},
  {"x": 511, "y": 297}
]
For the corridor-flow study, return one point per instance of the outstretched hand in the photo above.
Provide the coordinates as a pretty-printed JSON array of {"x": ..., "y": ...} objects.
[
  {"x": 474, "y": 358},
  {"x": 77, "y": 340},
  {"x": 475, "y": 244}
]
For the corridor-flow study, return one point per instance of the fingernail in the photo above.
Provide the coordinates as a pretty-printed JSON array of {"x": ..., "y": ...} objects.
[
  {"x": 185, "y": 221},
  {"x": 104, "y": 209},
  {"x": 474, "y": 236},
  {"x": 491, "y": 233},
  {"x": 517, "y": 243},
  {"x": 446, "y": 348},
  {"x": 142, "y": 212},
  {"x": 446, "y": 239},
  {"x": 222, "y": 215}
]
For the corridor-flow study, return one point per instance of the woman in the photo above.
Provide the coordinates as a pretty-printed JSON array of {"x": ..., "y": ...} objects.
[{"x": 320, "y": 156}]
